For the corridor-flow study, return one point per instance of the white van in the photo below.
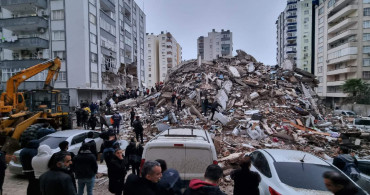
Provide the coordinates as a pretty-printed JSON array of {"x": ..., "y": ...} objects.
[{"x": 185, "y": 149}]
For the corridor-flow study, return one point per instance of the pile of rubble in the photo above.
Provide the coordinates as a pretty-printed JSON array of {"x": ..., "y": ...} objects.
[{"x": 262, "y": 107}]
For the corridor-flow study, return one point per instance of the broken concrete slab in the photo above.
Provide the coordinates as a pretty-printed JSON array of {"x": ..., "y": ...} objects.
[
  {"x": 254, "y": 95},
  {"x": 234, "y": 71}
]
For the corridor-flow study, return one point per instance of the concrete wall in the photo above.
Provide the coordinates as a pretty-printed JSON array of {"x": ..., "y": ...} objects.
[{"x": 360, "y": 109}]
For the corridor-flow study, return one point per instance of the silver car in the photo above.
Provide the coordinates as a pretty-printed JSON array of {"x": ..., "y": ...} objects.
[{"x": 74, "y": 138}]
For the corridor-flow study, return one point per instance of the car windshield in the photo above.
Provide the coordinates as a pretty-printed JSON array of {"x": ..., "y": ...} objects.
[
  {"x": 362, "y": 122},
  {"x": 302, "y": 175},
  {"x": 52, "y": 142}
]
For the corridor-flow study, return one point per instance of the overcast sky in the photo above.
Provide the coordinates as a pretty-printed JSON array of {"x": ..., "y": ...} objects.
[{"x": 252, "y": 23}]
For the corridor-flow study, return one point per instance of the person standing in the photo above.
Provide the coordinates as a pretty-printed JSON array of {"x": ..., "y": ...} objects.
[
  {"x": 138, "y": 129},
  {"x": 205, "y": 105},
  {"x": 151, "y": 106},
  {"x": 85, "y": 117},
  {"x": 132, "y": 116},
  {"x": 117, "y": 172},
  {"x": 173, "y": 98},
  {"x": 147, "y": 91},
  {"x": 213, "y": 176},
  {"x": 40, "y": 163},
  {"x": 151, "y": 173},
  {"x": 103, "y": 121},
  {"x": 347, "y": 163},
  {"x": 338, "y": 184},
  {"x": 57, "y": 180},
  {"x": 116, "y": 121},
  {"x": 92, "y": 121},
  {"x": 26, "y": 156},
  {"x": 134, "y": 152},
  {"x": 85, "y": 167},
  {"x": 2, "y": 170},
  {"x": 245, "y": 180},
  {"x": 214, "y": 107},
  {"x": 179, "y": 103},
  {"x": 79, "y": 116},
  {"x": 91, "y": 143}
]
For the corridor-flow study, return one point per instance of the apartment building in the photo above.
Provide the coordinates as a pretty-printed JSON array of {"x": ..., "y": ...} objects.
[
  {"x": 94, "y": 39},
  {"x": 295, "y": 35},
  {"x": 342, "y": 45},
  {"x": 163, "y": 54},
  {"x": 217, "y": 44}
]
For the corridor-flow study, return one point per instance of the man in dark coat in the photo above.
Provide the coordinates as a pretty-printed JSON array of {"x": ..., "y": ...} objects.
[
  {"x": 173, "y": 98},
  {"x": 179, "y": 103},
  {"x": 205, "y": 105},
  {"x": 151, "y": 173},
  {"x": 347, "y": 163},
  {"x": 85, "y": 167},
  {"x": 79, "y": 116},
  {"x": 2, "y": 170},
  {"x": 117, "y": 172},
  {"x": 116, "y": 122},
  {"x": 57, "y": 180},
  {"x": 134, "y": 152},
  {"x": 213, "y": 176},
  {"x": 26, "y": 156},
  {"x": 91, "y": 143},
  {"x": 214, "y": 107},
  {"x": 151, "y": 106},
  {"x": 132, "y": 116},
  {"x": 138, "y": 129},
  {"x": 339, "y": 184},
  {"x": 245, "y": 180},
  {"x": 92, "y": 121}
]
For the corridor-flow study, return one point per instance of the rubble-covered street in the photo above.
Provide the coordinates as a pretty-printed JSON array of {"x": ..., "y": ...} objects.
[{"x": 262, "y": 107}]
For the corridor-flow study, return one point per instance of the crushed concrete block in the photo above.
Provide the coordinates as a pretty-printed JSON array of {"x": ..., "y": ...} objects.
[
  {"x": 251, "y": 67},
  {"x": 227, "y": 86},
  {"x": 222, "y": 118},
  {"x": 254, "y": 95},
  {"x": 222, "y": 98},
  {"x": 234, "y": 71}
]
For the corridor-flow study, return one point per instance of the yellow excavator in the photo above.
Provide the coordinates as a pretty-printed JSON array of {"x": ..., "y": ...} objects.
[{"x": 20, "y": 110}]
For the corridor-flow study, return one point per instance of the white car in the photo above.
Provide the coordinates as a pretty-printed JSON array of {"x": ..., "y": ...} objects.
[
  {"x": 291, "y": 172},
  {"x": 74, "y": 138}
]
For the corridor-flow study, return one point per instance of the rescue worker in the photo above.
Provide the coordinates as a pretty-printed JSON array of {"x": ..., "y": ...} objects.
[{"x": 116, "y": 121}]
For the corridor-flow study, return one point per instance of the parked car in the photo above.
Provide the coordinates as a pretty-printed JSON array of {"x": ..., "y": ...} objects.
[
  {"x": 291, "y": 172},
  {"x": 362, "y": 123},
  {"x": 364, "y": 167},
  {"x": 74, "y": 137},
  {"x": 344, "y": 112},
  {"x": 187, "y": 150}
]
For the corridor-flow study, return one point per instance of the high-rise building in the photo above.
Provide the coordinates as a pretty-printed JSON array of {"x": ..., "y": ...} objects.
[
  {"x": 163, "y": 54},
  {"x": 217, "y": 44},
  {"x": 295, "y": 35},
  {"x": 100, "y": 42},
  {"x": 342, "y": 45}
]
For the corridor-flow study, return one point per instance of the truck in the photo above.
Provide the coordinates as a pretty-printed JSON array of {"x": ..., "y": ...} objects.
[{"x": 20, "y": 111}]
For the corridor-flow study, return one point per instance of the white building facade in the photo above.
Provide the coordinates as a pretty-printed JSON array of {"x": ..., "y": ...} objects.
[
  {"x": 217, "y": 44},
  {"x": 94, "y": 39},
  {"x": 163, "y": 54},
  {"x": 342, "y": 45}
]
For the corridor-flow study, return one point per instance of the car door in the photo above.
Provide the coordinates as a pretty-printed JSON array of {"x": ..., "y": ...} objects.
[
  {"x": 261, "y": 165},
  {"x": 77, "y": 142},
  {"x": 98, "y": 141},
  {"x": 364, "y": 182}
]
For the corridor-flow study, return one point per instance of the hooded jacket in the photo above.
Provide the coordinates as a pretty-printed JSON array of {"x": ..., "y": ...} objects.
[
  {"x": 41, "y": 160},
  {"x": 338, "y": 161},
  {"x": 27, "y": 154},
  {"x": 199, "y": 187},
  {"x": 85, "y": 165}
]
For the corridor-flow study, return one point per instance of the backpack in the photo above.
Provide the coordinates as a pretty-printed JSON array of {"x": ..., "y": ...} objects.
[{"x": 351, "y": 170}]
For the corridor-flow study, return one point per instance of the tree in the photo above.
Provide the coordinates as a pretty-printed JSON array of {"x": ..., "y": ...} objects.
[{"x": 358, "y": 91}]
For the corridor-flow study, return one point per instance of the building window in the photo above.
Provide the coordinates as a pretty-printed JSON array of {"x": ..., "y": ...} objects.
[
  {"x": 321, "y": 20},
  {"x": 366, "y": 1},
  {"x": 366, "y": 62},
  {"x": 92, "y": 18},
  {"x": 366, "y": 24},
  {"x": 60, "y": 54},
  {"x": 320, "y": 60},
  {"x": 320, "y": 79},
  {"x": 62, "y": 76},
  {"x": 366, "y": 75},
  {"x": 366, "y": 49},
  {"x": 367, "y": 11},
  {"x": 366, "y": 37},
  {"x": 306, "y": 41},
  {"x": 321, "y": 49},
  {"x": 93, "y": 38},
  {"x": 58, "y": 35},
  {"x": 94, "y": 58},
  {"x": 321, "y": 39},
  {"x": 331, "y": 3},
  {"x": 319, "y": 69},
  {"x": 306, "y": 12},
  {"x": 321, "y": 30},
  {"x": 94, "y": 77},
  {"x": 93, "y": 2},
  {"x": 321, "y": 10},
  {"x": 57, "y": 15},
  {"x": 150, "y": 75},
  {"x": 319, "y": 89}
]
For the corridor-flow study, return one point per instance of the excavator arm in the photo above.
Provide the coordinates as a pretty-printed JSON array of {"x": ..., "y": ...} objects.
[{"x": 9, "y": 97}]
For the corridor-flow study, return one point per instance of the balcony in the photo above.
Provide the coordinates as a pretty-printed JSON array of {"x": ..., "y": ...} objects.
[
  {"x": 343, "y": 25},
  {"x": 342, "y": 13},
  {"x": 169, "y": 53},
  {"x": 107, "y": 5},
  {"x": 29, "y": 24},
  {"x": 23, "y": 6},
  {"x": 291, "y": 38},
  {"x": 342, "y": 59},
  {"x": 342, "y": 35},
  {"x": 335, "y": 83},
  {"x": 169, "y": 40},
  {"x": 26, "y": 43},
  {"x": 291, "y": 2},
  {"x": 340, "y": 4},
  {"x": 336, "y": 94},
  {"x": 343, "y": 46},
  {"x": 26, "y": 63},
  {"x": 290, "y": 52},
  {"x": 341, "y": 71}
]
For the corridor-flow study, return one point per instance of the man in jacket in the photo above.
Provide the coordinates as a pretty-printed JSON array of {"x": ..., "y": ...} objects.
[
  {"x": 57, "y": 181},
  {"x": 116, "y": 121},
  {"x": 173, "y": 98},
  {"x": 179, "y": 103},
  {"x": 245, "y": 180},
  {"x": 85, "y": 169},
  {"x": 151, "y": 173},
  {"x": 347, "y": 163},
  {"x": 138, "y": 129},
  {"x": 132, "y": 116},
  {"x": 2, "y": 170},
  {"x": 214, "y": 107},
  {"x": 151, "y": 106},
  {"x": 134, "y": 152},
  {"x": 205, "y": 105},
  {"x": 338, "y": 184},
  {"x": 213, "y": 176},
  {"x": 40, "y": 163},
  {"x": 117, "y": 172},
  {"x": 26, "y": 156},
  {"x": 91, "y": 143},
  {"x": 92, "y": 121}
]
